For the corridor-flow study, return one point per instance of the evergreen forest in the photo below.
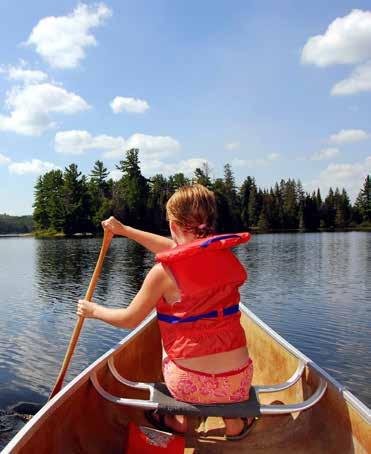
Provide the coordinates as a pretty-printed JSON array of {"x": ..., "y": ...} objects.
[
  {"x": 15, "y": 224},
  {"x": 68, "y": 202}
]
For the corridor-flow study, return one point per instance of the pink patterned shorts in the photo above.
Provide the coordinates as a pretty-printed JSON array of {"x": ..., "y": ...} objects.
[{"x": 202, "y": 388}]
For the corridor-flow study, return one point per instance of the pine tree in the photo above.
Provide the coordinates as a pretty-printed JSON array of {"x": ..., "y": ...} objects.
[
  {"x": 100, "y": 191},
  {"x": 328, "y": 211},
  {"x": 363, "y": 202},
  {"x": 231, "y": 196},
  {"x": 131, "y": 192},
  {"x": 265, "y": 216},
  {"x": 290, "y": 204},
  {"x": 177, "y": 181},
  {"x": 202, "y": 175},
  {"x": 49, "y": 204},
  {"x": 223, "y": 208},
  {"x": 158, "y": 196},
  {"x": 98, "y": 177},
  {"x": 311, "y": 219},
  {"x": 245, "y": 191},
  {"x": 53, "y": 183},
  {"x": 40, "y": 213},
  {"x": 254, "y": 206},
  {"x": 76, "y": 202},
  {"x": 342, "y": 207}
]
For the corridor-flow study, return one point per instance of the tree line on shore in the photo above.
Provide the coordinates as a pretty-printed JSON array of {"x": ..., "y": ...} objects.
[
  {"x": 15, "y": 224},
  {"x": 69, "y": 202}
]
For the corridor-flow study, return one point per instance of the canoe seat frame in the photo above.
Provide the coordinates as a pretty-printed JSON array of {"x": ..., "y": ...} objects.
[{"x": 161, "y": 400}]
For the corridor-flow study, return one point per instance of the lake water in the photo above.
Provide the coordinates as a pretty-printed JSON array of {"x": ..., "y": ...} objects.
[{"x": 314, "y": 289}]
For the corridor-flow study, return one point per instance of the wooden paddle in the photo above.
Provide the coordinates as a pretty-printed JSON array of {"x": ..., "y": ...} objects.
[{"x": 108, "y": 235}]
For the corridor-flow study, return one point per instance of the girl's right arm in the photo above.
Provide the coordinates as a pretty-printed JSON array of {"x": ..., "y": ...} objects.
[
  {"x": 145, "y": 301},
  {"x": 151, "y": 241}
]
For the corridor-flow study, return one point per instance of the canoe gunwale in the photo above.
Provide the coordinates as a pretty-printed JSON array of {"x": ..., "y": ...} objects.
[{"x": 358, "y": 405}]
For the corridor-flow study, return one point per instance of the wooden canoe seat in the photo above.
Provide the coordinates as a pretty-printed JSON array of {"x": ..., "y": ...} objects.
[{"x": 161, "y": 400}]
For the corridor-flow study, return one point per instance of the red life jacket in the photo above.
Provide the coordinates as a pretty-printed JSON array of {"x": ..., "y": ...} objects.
[{"x": 206, "y": 320}]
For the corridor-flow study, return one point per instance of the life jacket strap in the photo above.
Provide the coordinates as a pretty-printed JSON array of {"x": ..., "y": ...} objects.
[
  {"x": 219, "y": 238},
  {"x": 213, "y": 314}
]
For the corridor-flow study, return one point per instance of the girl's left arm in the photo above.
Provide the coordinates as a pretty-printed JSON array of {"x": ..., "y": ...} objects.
[{"x": 143, "y": 303}]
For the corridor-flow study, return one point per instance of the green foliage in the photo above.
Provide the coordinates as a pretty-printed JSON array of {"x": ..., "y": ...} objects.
[
  {"x": 49, "y": 212},
  {"x": 15, "y": 224},
  {"x": 100, "y": 191},
  {"x": 202, "y": 176},
  {"x": 160, "y": 191},
  {"x": 176, "y": 181},
  {"x": 77, "y": 202},
  {"x": 245, "y": 192},
  {"x": 363, "y": 202},
  {"x": 130, "y": 193},
  {"x": 69, "y": 202}
]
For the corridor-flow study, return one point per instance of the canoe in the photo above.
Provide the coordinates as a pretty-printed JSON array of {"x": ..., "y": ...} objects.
[{"x": 86, "y": 417}]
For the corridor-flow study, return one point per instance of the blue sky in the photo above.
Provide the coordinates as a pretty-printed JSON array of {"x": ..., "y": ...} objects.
[{"x": 277, "y": 89}]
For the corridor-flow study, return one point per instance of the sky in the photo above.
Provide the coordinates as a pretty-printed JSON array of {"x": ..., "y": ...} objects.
[{"x": 276, "y": 89}]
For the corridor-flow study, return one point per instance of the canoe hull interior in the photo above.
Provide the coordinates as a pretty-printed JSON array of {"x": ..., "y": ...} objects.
[{"x": 79, "y": 420}]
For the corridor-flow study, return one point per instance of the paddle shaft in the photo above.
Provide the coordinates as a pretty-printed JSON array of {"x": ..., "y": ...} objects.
[{"x": 76, "y": 332}]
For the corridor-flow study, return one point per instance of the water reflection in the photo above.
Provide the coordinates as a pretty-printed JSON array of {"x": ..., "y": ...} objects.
[
  {"x": 41, "y": 280},
  {"x": 315, "y": 290}
]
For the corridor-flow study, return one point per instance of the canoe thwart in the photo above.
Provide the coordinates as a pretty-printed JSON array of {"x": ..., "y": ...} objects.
[
  {"x": 125, "y": 381},
  {"x": 161, "y": 399},
  {"x": 287, "y": 384},
  {"x": 140, "y": 403},
  {"x": 301, "y": 406}
]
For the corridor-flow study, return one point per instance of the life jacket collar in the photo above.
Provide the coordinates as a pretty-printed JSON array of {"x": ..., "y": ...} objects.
[{"x": 211, "y": 243}]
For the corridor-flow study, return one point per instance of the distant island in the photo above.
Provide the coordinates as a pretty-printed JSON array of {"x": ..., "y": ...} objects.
[
  {"x": 69, "y": 203},
  {"x": 16, "y": 224}
]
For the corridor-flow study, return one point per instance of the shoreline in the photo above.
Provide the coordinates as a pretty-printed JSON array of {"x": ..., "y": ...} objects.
[{"x": 253, "y": 231}]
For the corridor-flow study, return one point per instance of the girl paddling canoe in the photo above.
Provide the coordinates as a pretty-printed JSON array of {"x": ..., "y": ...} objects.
[{"x": 194, "y": 288}]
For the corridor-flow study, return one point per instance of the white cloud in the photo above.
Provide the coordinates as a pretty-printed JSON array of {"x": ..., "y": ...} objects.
[
  {"x": 359, "y": 81},
  {"x": 132, "y": 105},
  {"x": 115, "y": 174},
  {"x": 154, "y": 147},
  {"x": 77, "y": 142},
  {"x": 62, "y": 40},
  {"x": 232, "y": 146},
  {"x": 251, "y": 163},
  {"x": 326, "y": 153},
  {"x": 347, "y": 40},
  {"x": 22, "y": 74},
  {"x": 31, "y": 108},
  {"x": 349, "y": 176},
  {"x": 151, "y": 147},
  {"x": 349, "y": 136},
  {"x": 186, "y": 166},
  {"x": 35, "y": 166},
  {"x": 4, "y": 159}
]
